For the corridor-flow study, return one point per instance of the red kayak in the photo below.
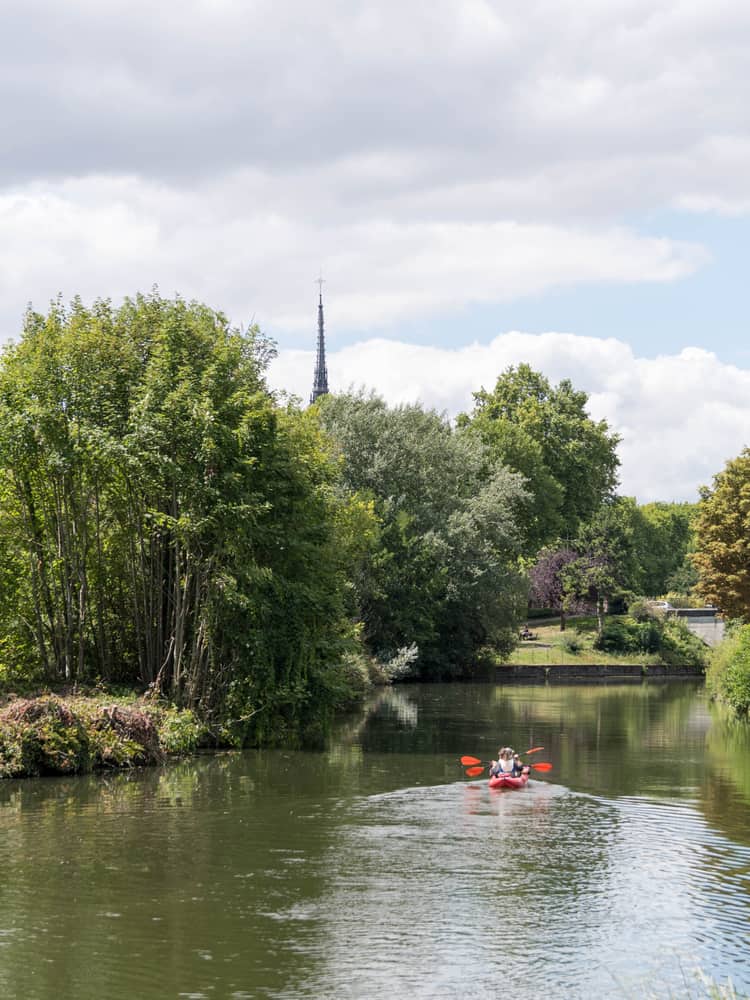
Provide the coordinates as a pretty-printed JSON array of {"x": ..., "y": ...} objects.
[{"x": 507, "y": 781}]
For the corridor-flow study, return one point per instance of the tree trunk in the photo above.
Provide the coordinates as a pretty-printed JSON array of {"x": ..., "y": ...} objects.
[{"x": 600, "y": 614}]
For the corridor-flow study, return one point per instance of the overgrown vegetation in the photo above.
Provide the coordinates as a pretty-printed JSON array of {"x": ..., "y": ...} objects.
[
  {"x": 49, "y": 735},
  {"x": 665, "y": 640},
  {"x": 728, "y": 676},
  {"x": 623, "y": 640},
  {"x": 442, "y": 577},
  {"x": 169, "y": 525},
  {"x": 165, "y": 523}
]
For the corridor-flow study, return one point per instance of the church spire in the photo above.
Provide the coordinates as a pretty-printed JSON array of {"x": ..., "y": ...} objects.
[{"x": 320, "y": 383}]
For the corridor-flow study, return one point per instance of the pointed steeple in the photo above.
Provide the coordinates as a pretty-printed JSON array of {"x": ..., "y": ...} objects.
[{"x": 320, "y": 382}]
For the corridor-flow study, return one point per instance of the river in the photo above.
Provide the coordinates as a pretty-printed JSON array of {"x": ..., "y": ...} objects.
[{"x": 376, "y": 869}]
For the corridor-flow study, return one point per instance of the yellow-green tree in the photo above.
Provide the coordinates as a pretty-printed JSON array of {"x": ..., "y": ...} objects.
[{"x": 722, "y": 554}]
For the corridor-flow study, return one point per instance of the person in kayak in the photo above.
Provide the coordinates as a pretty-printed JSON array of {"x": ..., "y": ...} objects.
[{"x": 508, "y": 762}]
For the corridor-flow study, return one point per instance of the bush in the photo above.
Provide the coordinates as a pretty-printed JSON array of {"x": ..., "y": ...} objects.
[
  {"x": 572, "y": 643},
  {"x": 729, "y": 672},
  {"x": 667, "y": 639},
  {"x": 48, "y": 735},
  {"x": 641, "y": 610},
  {"x": 649, "y": 635},
  {"x": 678, "y": 599},
  {"x": 42, "y": 736},
  {"x": 402, "y": 665},
  {"x": 180, "y": 732},
  {"x": 617, "y": 636},
  {"x": 680, "y": 646},
  {"x": 353, "y": 679}
]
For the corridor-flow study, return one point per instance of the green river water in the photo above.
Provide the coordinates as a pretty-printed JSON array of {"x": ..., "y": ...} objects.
[{"x": 376, "y": 869}]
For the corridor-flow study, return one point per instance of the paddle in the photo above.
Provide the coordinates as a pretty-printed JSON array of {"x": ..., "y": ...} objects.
[
  {"x": 466, "y": 760},
  {"x": 472, "y": 772}
]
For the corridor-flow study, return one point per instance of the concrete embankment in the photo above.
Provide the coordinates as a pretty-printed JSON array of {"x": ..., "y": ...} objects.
[{"x": 564, "y": 673}]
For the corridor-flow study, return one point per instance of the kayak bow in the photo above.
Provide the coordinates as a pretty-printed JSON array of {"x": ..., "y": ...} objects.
[{"x": 508, "y": 781}]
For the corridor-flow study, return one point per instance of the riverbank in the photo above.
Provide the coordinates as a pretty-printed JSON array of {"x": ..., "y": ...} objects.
[
  {"x": 566, "y": 673},
  {"x": 50, "y": 734},
  {"x": 578, "y": 647}
]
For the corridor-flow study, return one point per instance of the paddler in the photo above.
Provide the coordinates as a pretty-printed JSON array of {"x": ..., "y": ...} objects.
[{"x": 508, "y": 762}]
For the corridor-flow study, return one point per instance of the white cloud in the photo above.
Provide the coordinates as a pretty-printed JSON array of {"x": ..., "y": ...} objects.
[
  {"x": 680, "y": 416},
  {"x": 239, "y": 245},
  {"x": 428, "y": 155}
]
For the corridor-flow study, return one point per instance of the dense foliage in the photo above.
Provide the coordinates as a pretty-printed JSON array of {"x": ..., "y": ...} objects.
[
  {"x": 662, "y": 537},
  {"x": 549, "y": 582},
  {"x": 167, "y": 524},
  {"x": 729, "y": 673},
  {"x": 163, "y": 521},
  {"x": 722, "y": 554},
  {"x": 544, "y": 432},
  {"x": 443, "y": 573},
  {"x": 48, "y": 735},
  {"x": 667, "y": 639}
]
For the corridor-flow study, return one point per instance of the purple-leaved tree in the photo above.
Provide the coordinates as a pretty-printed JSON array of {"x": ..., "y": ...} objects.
[{"x": 550, "y": 584}]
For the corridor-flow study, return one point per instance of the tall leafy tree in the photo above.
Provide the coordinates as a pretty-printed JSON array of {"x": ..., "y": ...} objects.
[
  {"x": 606, "y": 560},
  {"x": 662, "y": 536},
  {"x": 443, "y": 574},
  {"x": 544, "y": 432},
  {"x": 165, "y": 521},
  {"x": 722, "y": 554}
]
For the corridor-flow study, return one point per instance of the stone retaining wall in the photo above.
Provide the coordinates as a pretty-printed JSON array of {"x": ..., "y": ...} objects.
[{"x": 593, "y": 672}]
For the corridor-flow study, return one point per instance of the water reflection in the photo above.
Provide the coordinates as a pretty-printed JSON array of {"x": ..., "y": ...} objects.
[{"x": 376, "y": 867}]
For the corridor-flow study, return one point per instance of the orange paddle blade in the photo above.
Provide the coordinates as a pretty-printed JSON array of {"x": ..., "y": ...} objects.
[
  {"x": 541, "y": 767},
  {"x": 472, "y": 772},
  {"x": 533, "y": 750},
  {"x": 470, "y": 760}
]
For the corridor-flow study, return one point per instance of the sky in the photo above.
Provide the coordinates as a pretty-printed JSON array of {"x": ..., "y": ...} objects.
[{"x": 479, "y": 182}]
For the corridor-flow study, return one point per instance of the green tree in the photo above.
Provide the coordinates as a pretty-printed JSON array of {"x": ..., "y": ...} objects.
[
  {"x": 606, "y": 562},
  {"x": 544, "y": 432},
  {"x": 728, "y": 675},
  {"x": 444, "y": 572},
  {"x": 662, "y": 536},
  {"x": 722, "y": 555},
  {"x": 166, "y": 523}
]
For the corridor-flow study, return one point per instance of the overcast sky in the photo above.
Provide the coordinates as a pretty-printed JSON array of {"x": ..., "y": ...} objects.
[{"x": 461, "y": 171}]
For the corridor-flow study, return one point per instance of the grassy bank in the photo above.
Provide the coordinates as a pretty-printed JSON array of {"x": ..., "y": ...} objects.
[
  {"x": 54, "y": 735},
  {"x": 575, "y": 646}
]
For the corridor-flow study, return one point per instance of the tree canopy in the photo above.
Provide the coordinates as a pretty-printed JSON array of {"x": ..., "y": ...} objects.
[
  {"x": 443, "y": 573},
  {"x": 568, "y": 459},
  {"x": 163, "y": 520},
  {"x": 722, "y": 554},
  {"x": 662, "y": 537}
]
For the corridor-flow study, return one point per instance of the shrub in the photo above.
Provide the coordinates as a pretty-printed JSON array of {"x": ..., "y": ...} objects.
[
  {"x": 729, "y": 673},
  {"x": 641, "y": 610},
  {"x": 125, "y": 735},
  {"x": 572, "y": 643},
  {"x": 617, "y": 636},
  {"x": 680, "y": 646},
  {"x": 43, "y": 736},
  {"x": 180, "y": 732},
  {"x": 649, "y": 635},
  {"x": 401, "y": 666},
  {"x": 678, "y": 599},
  {"x": 12, "y": 750}
]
